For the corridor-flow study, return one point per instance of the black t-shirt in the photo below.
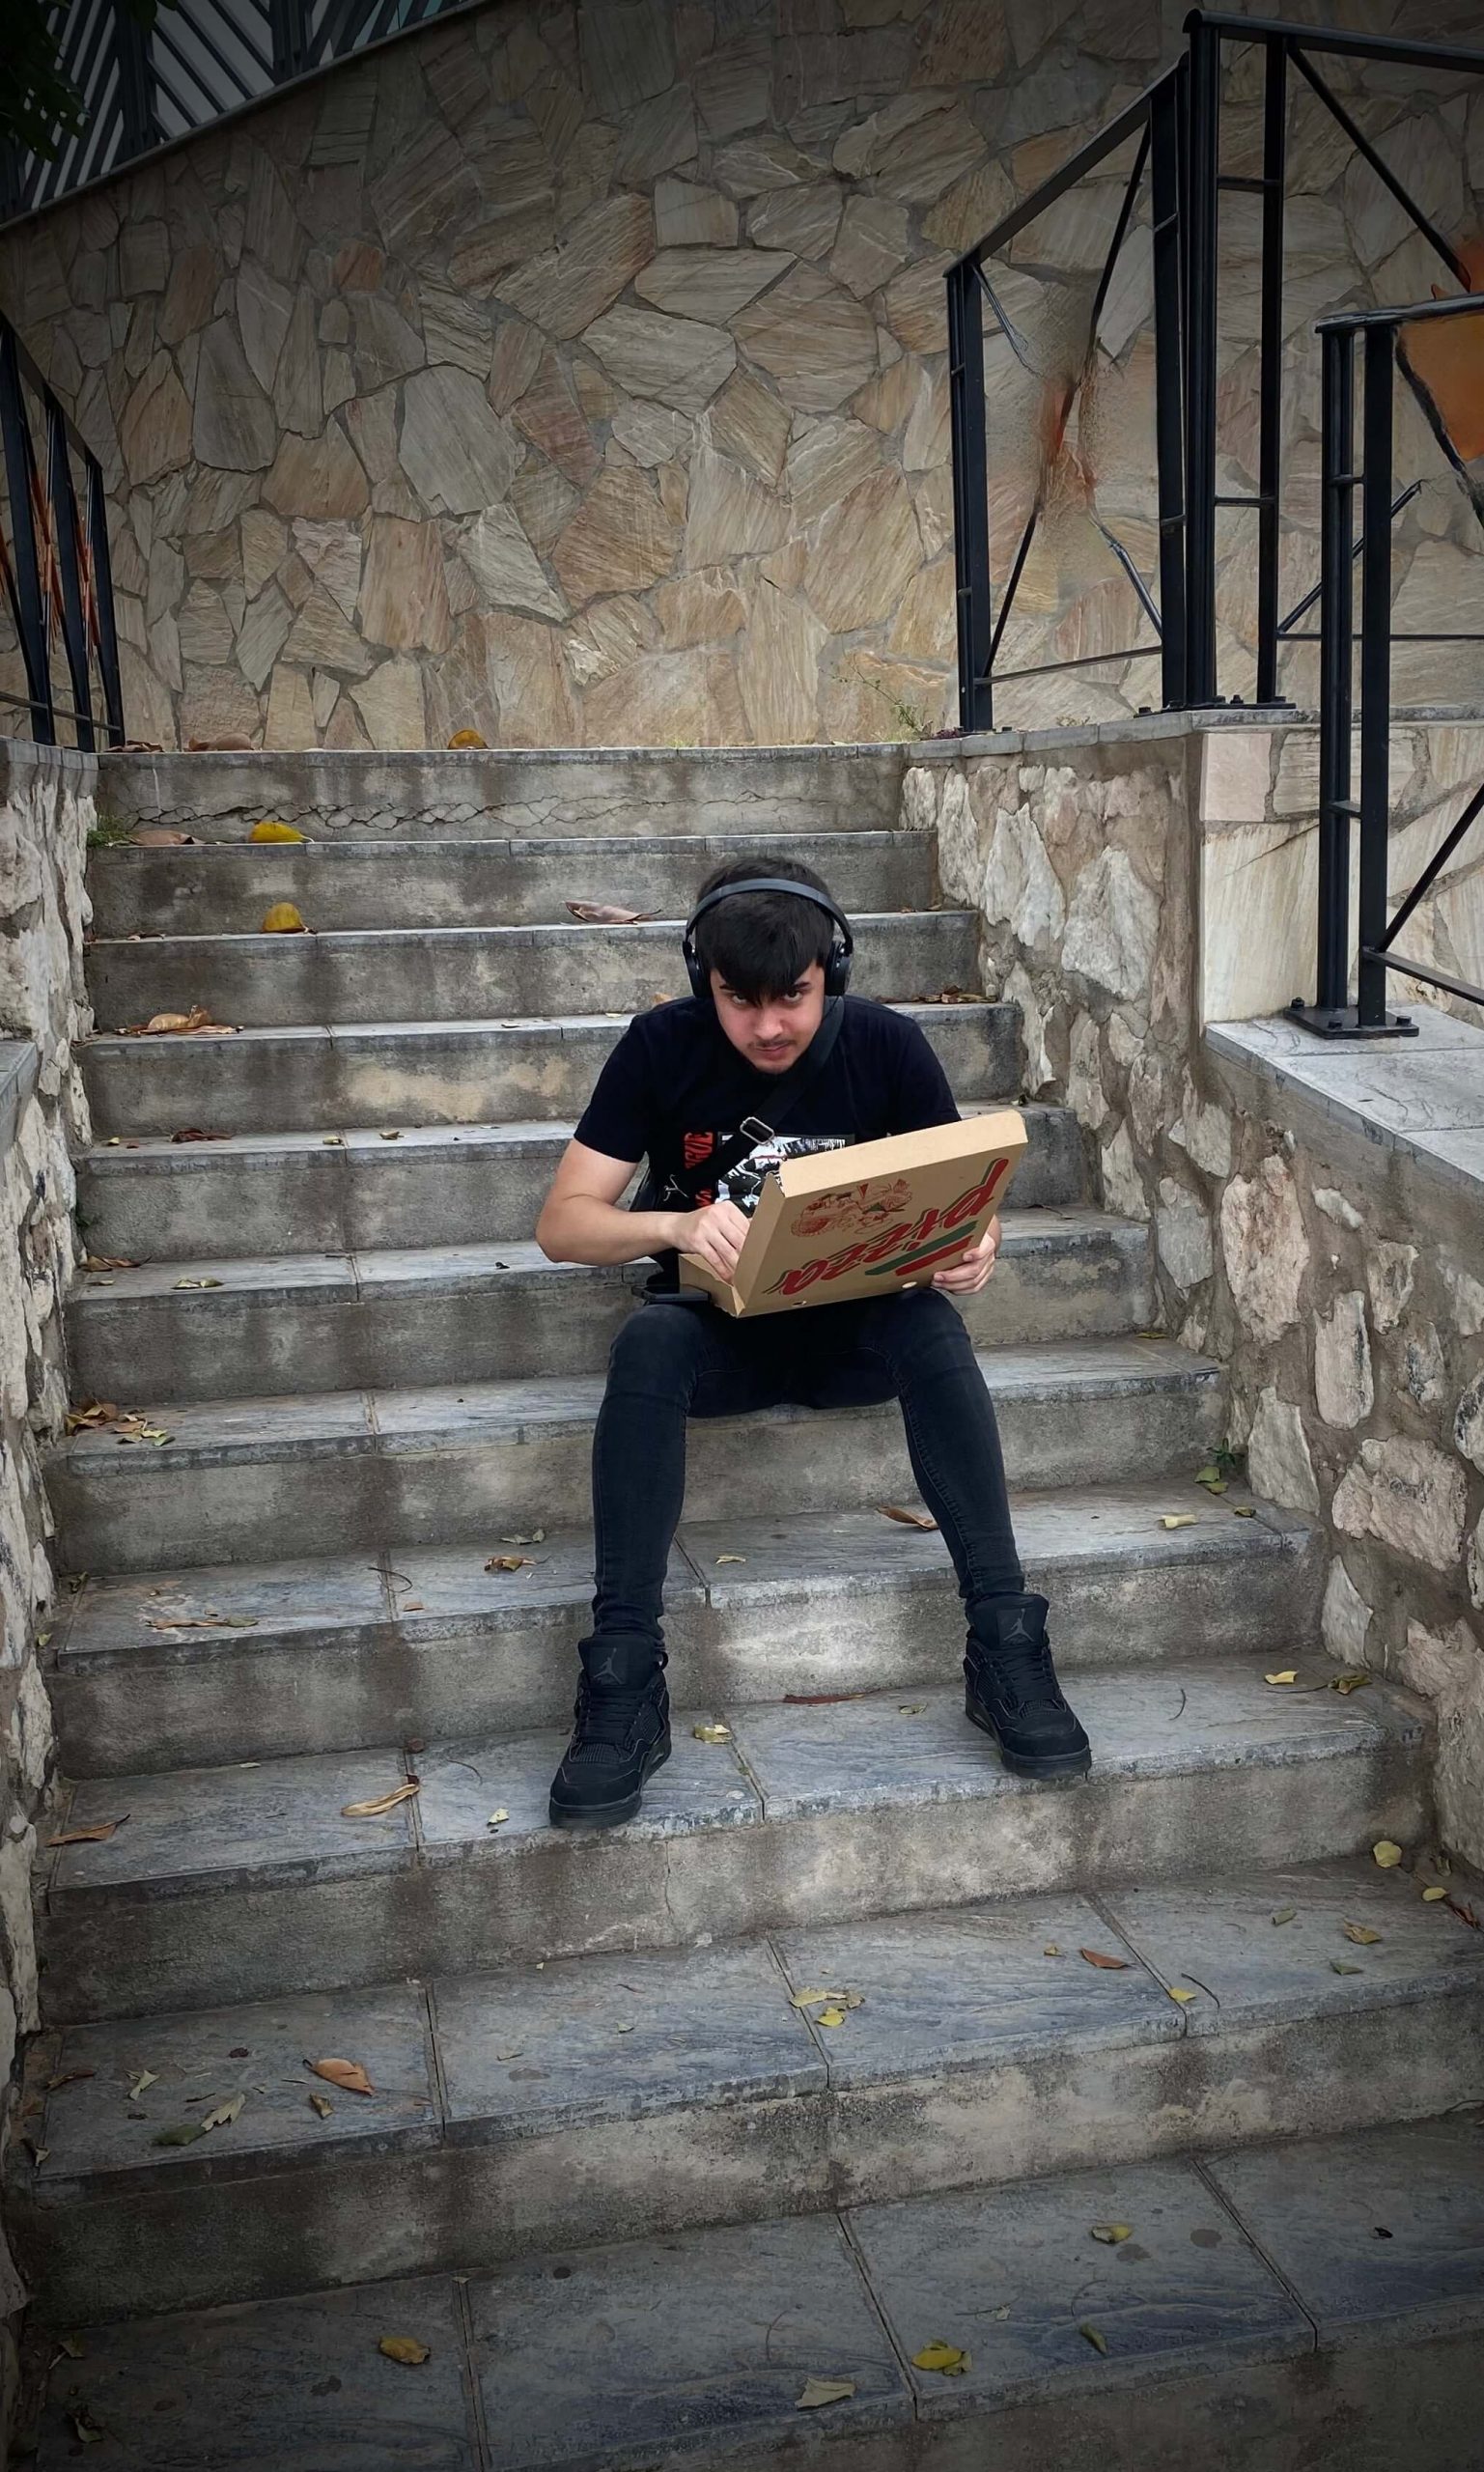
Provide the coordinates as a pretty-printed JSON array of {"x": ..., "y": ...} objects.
[{"x": 674, "y": 1089}]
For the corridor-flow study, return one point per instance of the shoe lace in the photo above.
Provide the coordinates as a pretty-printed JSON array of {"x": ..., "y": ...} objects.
[
  {"x": 604, "y": 1719},
  {"x": 1023, "y": 1671}
]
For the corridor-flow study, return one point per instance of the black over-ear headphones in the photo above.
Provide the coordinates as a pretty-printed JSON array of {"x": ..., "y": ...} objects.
[{"x": 842, "y": 946}]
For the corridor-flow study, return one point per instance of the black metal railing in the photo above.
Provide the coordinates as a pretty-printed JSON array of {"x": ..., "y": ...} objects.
[
  {"x": 1177, "y": 123},
  {"x": 1369, "y": 479},
  {"x": 55, "y": 574},
  {"x": 141, "y": 87}
]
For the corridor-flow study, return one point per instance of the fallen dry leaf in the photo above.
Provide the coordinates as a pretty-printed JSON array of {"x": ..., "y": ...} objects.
[
  {"x": 537, "y": 1536},
  {"x": 951, "y": 995},
  {"x": 1431, "y": 1896},
  {"x": 605, "y": 914},
  {"x": 1110, "y": 2234},
  {"x": 225, "y": 2113},
  {"x": 824, "y": 2390},
  {"x": 228, "y": 743},
  {"x": 90, "y": 1416},
  {"x": 729, "y": 1557},
  {"x": 283, "y": 919},
  {"x": 198, "y": 1132},
  {"x": 380, "y": 1803},
  {"x": 1178, "y": 1519},
  {"x": 98, "y": 1834},
  {"x": 468, "y": 738},
  {"x": 1096, "y": 1957},
  {"x": 1290, "y": 1674},
  {"x": 270, "y": 829},
  {"x": 392, "y": 1133},
  {"x": 831, "y": 2017},
  {"x": 203, "y": 1623},
  {"x": 945, "y": 2358},
  {"x": 1345, "y": 1683},
  {"x": 1051, "y": 1949},
  {"x": 405, "y": 2349},
  {"x": 1285, "y": 1914},
  {"x": 1098, "y": 2341},
  {"x": 348, "y": 2075},
  {"x": 1387, "y": 1853},
  {"x": 154, "y": 836},
  {"x": 108, "y": 1262},
  {"x": 184, "y": 2133},
  {"x": 907, "y": 1518},
  {"x": 322, "y": 2104},
  {"x": 506, "y": 1563},
  {"x": 497, "y": 1819},
  {"x": 68, "y": 2077},
  {"x": 827, "y": 1999},
  {"x": 85, "y": 2428},
  {"x": 1244, "y": 1511},
  {"x": 711, "y": 1733},
  {"x": 1182, "y": 1996},
  {"x": 1361, "y": 1934},
  {"x": 912, "y": 1708},
  {"x": 198, "y": 1282},
  {"x": 1464, "y": 1913},
  {"x": 177, "y": 1025},
  {"x": 139, "y": 2081},
  {"x": 1339, "y": 1966}
]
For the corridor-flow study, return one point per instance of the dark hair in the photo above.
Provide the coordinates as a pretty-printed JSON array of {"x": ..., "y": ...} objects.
[{"x": 762, "y": 942}]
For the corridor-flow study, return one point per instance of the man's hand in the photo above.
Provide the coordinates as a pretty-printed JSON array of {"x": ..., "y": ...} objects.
[
  {"x": 966, "y": 1277},
  {"x": 716, "y": 1233}
]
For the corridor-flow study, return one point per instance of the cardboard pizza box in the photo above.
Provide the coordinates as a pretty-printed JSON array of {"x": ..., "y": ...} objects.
[{"x": 869, "y": 1218}]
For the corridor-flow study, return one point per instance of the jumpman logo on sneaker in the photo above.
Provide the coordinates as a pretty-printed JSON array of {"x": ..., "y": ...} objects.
[
  {"x": 607, "y": 1672},
  {"x": 1019, "y": 1629}
]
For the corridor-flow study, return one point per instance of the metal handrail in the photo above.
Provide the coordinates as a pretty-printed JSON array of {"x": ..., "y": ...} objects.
[
  {"x": 55, "y": 567},
  {"x": 1178, "y": 118},
  {"x": 1331, "y": 1016}
]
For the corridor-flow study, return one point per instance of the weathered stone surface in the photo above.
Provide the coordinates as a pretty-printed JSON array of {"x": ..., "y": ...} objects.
[
  {"x": 812, "y": 337},
  {"x": 260, "y": 638},
  {"x": 154, "y": 434},
  {"x": 919, "y": 161},
  {"x": 552, "y": 418},
  {"x": 653, "y": 435},
  {"x": 657, "y": 136},
  {"x": 730, "y": 515},
  {"x": 331, "y": 550},
  {"x": 961, "y": 39},
  {"x": 689, "y": 699},
  {"x": 619, "y": 540},
  {"x": 1344, "y": 1388},
  {"x": 1265, "y": 1249},
  {"x": 749, "y": 424},
  {"x": 544, "y": 502},
  {"x": 390, "y": 703},
  {"x": 320, "y": 638},
  {"x": 206, "y": 629},
  {"x": 565, "y": 289},
  {"x": 515, "y": 360},
  {"x": 1469, "y": 1423},
  {"x": 732, "y": 88},
  {"x": 1020, "y": 888},
  {"x": 627, "y": 53},
  {"x": 1409, "y": 1495},
  {"x": 925, "y": 626},
  {"x": 505, "y": 567},
  {"x": 403, "y": 597},
  {"x": 916, "y": 306},
  {"x": 1336, "y": 1207},
  {"x": 297, "y": 400},
  {"x": 189, "y": 294},
  {"x": 1448, "y": 1667},
  {"x": 875, "y": 238},
  {"x": 233, "y": 425},
  {"x": 829, "y": 460},
  {"x": 687, "y": 215},
  {"x": 457, "y": 452},
  {"x": 1278, "y": 1462},
  {"x": 1466, "y": 1294},
  {"x": 455, "y": 327},
  {"x": 703, "y": 609},
  {"x": 1112, "y": 926},
  {"x": 291, "y": 712},
  {"x": 709, "y": 284},
  {"x": 674, "y": 360},
  {"x": 1184, "y": 1235},
  {"x": 317, "y": 477},
  {"x": 1345, "y": 1618},
  {"x": 751, "y": 165},
  {"x": 865, "y": 552},
  {"x": 1390, "y": 1274},
  {"x": 427, "y": 190},
  {"x": 386, "y": 345},
  {"x": 965, "y": 212},
  {"x": 805, "y": 220},
  {"x": 1474, "y": 1565},
  {"x": 500, "y": 243}
]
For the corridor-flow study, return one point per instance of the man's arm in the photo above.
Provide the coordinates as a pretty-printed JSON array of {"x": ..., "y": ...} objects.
[{"x": 581, "y": 1219}]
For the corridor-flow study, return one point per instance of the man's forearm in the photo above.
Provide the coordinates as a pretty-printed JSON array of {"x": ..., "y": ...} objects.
[{"x": 583, "y": 1229}]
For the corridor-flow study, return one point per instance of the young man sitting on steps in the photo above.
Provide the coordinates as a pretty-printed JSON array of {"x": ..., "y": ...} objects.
[{"x": 770, "y": 1041}]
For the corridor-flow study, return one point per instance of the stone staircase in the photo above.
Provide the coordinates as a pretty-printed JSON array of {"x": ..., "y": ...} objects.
[{"x": 371, "y": 1383}]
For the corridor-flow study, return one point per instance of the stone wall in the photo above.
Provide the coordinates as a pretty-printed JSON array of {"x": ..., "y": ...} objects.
[
  {"x": 576, "y": 373},
  {"x": 46, "y": 811},
  {"x": 1338, "y": 1280}
]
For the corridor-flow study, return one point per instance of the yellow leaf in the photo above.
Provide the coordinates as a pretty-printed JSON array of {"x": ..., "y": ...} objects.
[
  {"x": 1244, "y": 1511},
  {"x": 1285, "y": 1914},
  {"x": 824, "y": 2390},
  {"x": 380, "y": 1802},
  {"x": 1290, "y": 1674},
  {"x": 497, "y": 1819},
  {"x": 137, "y": 2083},
  {"x": 711, "y": 1733},
  {"x": 270, "y": 829},
  {"x": 1339, "y": 1966},
  {"x": 1386, "y": 1854},
  {"x": 729, "y": 1557},
  {"x": 507, "y": 1562},
  {"x": 348, "y": 2075},
  {"x": 1182, "y": 1996},
  {"x": 1112, "y": 2233},
  {"x": 1097, "y": 2342},
  {"x": 1345, "y": 1683},
  {"x": 830, "y": 2017},
  {"x": 1430, "y": 1897},
  {"x": 468, "y": 738},
  {"x": 1178, "y": 1519},
  {"x": 225, "y": 2113},
  {"x": 945, "y": 2358},
  {"x": 1361, "y": 1934},
  {"x": 405, "y": 2348},
  {"x": 322, "y": 2104},
  {"x": 911, "y": 1708},
  {"x": 283, "y": 919},
  {"x": 1051, "y": 1949}
]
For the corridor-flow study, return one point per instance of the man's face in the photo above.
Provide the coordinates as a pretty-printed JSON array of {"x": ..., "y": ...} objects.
[{"x": 773, "y": 1035}]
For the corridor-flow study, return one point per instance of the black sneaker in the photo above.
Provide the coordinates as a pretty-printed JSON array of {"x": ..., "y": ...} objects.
[
  {"x": 1014, "y": 1694},
  {"x": 621, "y": 1736}
]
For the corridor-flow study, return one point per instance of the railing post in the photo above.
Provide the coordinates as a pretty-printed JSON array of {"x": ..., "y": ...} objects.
[
  {"x": 1166, "y": 113},
  {"x": 970, "y": 495},
  {"x": 1270, "y": 365},
  {"x": 64, "y": 515},
  {"x": 1375, "y": 673},
  {"x": 20, "y": 475},
  {"x": 1201, "y": 260},
  {"x": 138, "y": 120},
  {"x": 1335, "y": 660},
  {"x": 288, "y": 23},
  {"x": 102, "y": 597}
]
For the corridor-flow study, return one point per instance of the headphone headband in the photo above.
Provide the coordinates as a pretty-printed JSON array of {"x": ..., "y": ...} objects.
[{"x": 837, "y": 966}]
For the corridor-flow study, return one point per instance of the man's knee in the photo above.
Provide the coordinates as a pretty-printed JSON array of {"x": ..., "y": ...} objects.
[
  {"x": 923, "y": 1331},
  {"x": 657, "y": 1352}
]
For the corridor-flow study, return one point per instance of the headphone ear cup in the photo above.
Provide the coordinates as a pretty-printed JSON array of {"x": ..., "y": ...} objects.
[
  {"x": 694, "y": 970},
  {"x": 837, "y": 968}
]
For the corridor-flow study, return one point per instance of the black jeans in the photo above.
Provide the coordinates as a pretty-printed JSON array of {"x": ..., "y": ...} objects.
[{"x": 671, "y": 1361}]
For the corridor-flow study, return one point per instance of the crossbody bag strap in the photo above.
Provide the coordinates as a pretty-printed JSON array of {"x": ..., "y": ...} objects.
[{"x": 681, "y": 1188}]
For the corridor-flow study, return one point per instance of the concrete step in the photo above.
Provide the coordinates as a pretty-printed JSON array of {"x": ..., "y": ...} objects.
[
  {"x": 473, "y": 973},
  {"x": 257, "y": 1194},
  {"x": 336, "y": 1653},
  {"x": 249, "y": 1883},
  {"x": 1256, "y": 2316},
  {"x": 224, "y": 887},
  {"x": 376, "y": 1073},
  {"x": 477, "y": 793},
  {"x": 660, "y": 2090},
  {"x": 502, "y": 1312},
  {"x": 239, "y": 1479}
]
